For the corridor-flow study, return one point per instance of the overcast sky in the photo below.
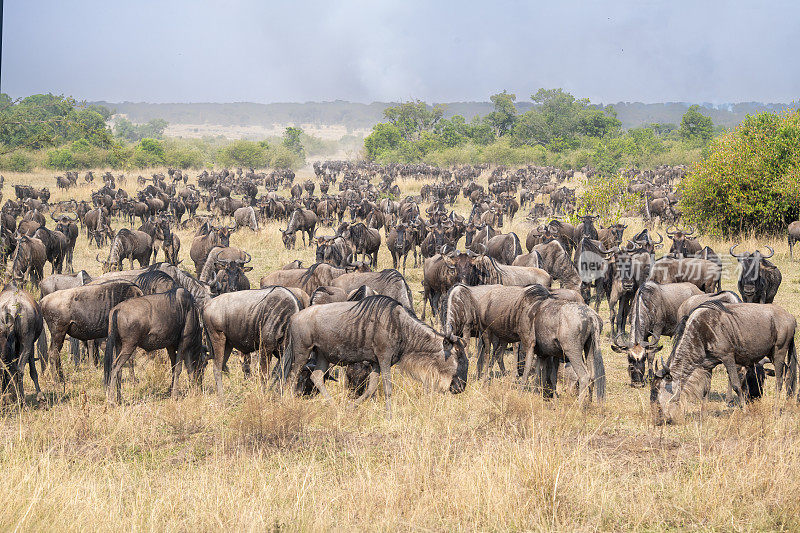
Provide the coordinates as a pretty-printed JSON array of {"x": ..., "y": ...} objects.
[{"x": 296, "y": 51}]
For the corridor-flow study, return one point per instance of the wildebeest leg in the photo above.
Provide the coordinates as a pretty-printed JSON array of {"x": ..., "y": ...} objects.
[
  {"x": 372, "y": 386},
  {"x": 54, "y": 353},
  {"x": 386, "y": 374},
  {"x": 529, "y": 345},
  {"x": 219, "y": 346},
  {"x": 26, "y": 356},
  {"x": 75, "y": 348},
  {"x": 114, "y": 382},
  {"x": 177, "y": 364},
  {"x": 480, "y": 346},
  {"x": 246, "y": 364},
  {"x": 735, "y": 381},
  {"x": 318, "y": 377}
]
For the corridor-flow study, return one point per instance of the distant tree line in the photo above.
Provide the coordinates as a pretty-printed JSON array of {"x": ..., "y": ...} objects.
[{"x": 557, "y": 129}]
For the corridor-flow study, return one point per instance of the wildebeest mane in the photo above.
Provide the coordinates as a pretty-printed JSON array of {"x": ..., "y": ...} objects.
[
  {"x": 536, "y": 292},
  {"x": 359, "y": 294},
  {"x": 153, "y": 281},
  {"x": 308, "y": 273},
  {"x": 681, "y": 328}
]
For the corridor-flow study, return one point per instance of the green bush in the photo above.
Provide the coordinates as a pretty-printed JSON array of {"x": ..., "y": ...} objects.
[
  {"x": 148, "y": 153},
  {"x": 283, "y": 157},
  {"x": 750, "y": 179},
  {"x": 607, "y": 197},
  {"x": 241, "y": 153},
  {"x": 60, "y": 159},
  {"x": 17, "y": 162}
]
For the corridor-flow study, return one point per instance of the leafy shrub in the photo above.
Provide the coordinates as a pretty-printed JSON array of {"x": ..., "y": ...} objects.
[
  {"x": 750, "y": 179},
  {"x": 607, "y": 197},
  {"x": 243, "y": 153},
  {"x": 60, "y": 159},
  {"x": 148, "y": 153},
  {"x": 17, "y": 162}
]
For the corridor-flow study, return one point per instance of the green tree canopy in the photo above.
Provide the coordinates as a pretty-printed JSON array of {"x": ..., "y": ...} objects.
[
  {"x": 696, "y": 126},
  {"x": 413, "y": 118},
  {"x": 293, "y": 140},
  {"x": 750, "y": 181},
  {"x": 504, "y": 116}
]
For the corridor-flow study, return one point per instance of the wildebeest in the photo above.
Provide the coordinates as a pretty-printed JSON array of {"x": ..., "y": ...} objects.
[
  {"x": 438, "y": 275},
  {"x": 631, "y": 268},
  {"x": 388, "y": 282},
  {"x": 365, "y": 240},
  {"x": 248, "y": 321},
  {"x": 307, "y": 279},
  {"x": 336, "y": 251},
  {"x": 655, "y": 312},
  {"x": 399, "y": 243},
  {"x": 128, "y": 244},
  {"x": 329, "y": 295},
  {"x": 703, "y": 273},
  {"x": 548, "y": 330},
  {"x": 245, "y": 217},
  {"x": 759, "y": 279},
  {"x": 28, "y": 260},
  {"x": 504, "y": 248},
  {"x": 794, "y": 237},
  {"x": 55, "y": 245},
  {"x": 69, "y": 228},
  {"x": 378, "y": 330},
  {"x": 683, "y": 244},
  {"x": 302, "y": 220},
  {"x": 734, "y": 335},
  {"x": 484, "y": 270},
  {"x": 98, "y": 226},
  {"x": 21, "y": 327},
  {"x": 207, "y": 237},
  {"x": 82, "y": 313},
  {"x": 166, "y": 320}
]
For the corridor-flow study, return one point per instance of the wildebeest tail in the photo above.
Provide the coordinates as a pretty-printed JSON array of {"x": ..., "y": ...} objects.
[
  {"x": 792, "y": 362},
  {"x": 41, "y": 348},
  {"x": 597, "y": 357},
  {"x": 288, "y": 354},
  {"x": 111, "y": 341}
]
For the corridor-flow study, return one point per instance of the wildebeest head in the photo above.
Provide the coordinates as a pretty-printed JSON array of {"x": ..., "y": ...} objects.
[
  {"x": 289, "y": 238},
  {"x": 750, "y": 277},
  {"x": 454, "y": 348},
  {"x": 230, "y": 276},
  {"x": 638, "y": 354},
  {"x": 665, "y": 406},
  {"x": 463, "y": 266},
  {"x": 679, "y": 238}
]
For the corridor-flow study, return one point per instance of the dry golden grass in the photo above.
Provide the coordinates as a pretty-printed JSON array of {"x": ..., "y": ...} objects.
[{"x": 493, "y": 458}]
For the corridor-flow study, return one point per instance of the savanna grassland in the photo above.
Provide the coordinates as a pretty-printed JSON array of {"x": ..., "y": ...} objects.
[{"x": 496, "y": 457}]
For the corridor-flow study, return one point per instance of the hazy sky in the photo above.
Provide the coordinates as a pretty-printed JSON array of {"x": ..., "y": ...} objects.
[{"x": 279, "y": 51}]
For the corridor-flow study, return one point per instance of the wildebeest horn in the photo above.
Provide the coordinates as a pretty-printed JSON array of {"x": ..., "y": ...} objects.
[
  {"x": 98, "y": 258},
  {"x": 621, "y": 343},
  {"x": 771, "y": 253},
  {"x": 661, "y": 237},
  {"x": 249, "y": 258},
  {"x": 687, "y": 234},
  {"x": 671, "y": 233},
  {"x": 731, "y": 251}
]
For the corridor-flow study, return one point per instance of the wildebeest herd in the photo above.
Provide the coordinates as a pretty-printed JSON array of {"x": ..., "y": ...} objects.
[{"x": 344, "y": 311}]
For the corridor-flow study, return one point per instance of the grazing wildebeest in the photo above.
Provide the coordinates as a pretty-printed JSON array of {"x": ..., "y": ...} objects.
[
  {"x": 245, "y": 217},
  {"x": 504, "y": 248},
  {"x": 82, "y": 313},
  {"x": 759, "y": 279},
  {"x": 28, "y": 261},
  {"x": 388, "y": 282},
  {"x": 166, "y": 320},
  {"x": 128, "y": 244},
  {"x": 98, "y": 226},
  {"x": 548, "y": 330},
  {"x": 302, "y": 220},
  {"x": 21, "y": 327},
  {"x": 654, "y": 313},
  {"x": 732, "y": 334},
  {"x": 172, "y": 246},
  {"x": 592, "y": 262},
  {"x": 377, "y": 330},
  {"x": 248, "y": 321},
  {"x": 794, "y": 237}
]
